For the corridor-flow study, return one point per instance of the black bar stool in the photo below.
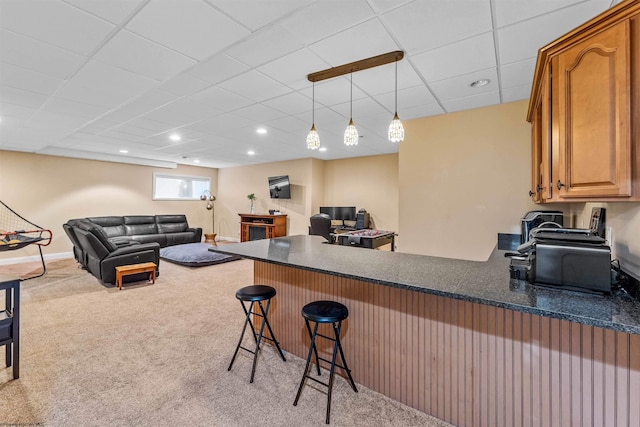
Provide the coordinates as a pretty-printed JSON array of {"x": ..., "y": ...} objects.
[
  {"x": 255, "y": 294},
  {"x": 325, "y": 312}
]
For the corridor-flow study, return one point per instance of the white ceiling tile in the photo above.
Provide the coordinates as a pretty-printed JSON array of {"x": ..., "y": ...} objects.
[
  {"x": 182, "y": 112},
  {"x": 516, "y": 93},
  {"x": 522, "y": 41},
  {"x": 410, "y": 97},
  {"x": 517, "y": 73},
  {"x": 133, "y": 53},
  {"x": 112, "y": 10},
  {"x": 459, "y": 87},
  {"x": 292, "y": 125},
  {"x": 21, "y": 97},
  {"x": 361, "y": 108},
  {"x": 134, "y": 131},
  {"x": 35, "y": 20},
  {"x": 19, "y": 113},
  {"x": 259, "y": 113},
  {"x": 143, "y": 104},
  {"x": 463, "y": 57},
  {"x": 425, "y": 110},
  {"x": 264, "y": 46},
  {"x": 291, "y": 103},
  {"x": 261, "y": 12},
  {"x": 183, "y": 85},
  {"x": 153, "y": 126},
  {"x": 221, "y": 99},
  {"x": 255, "y": 85},
  {"x": 214, "y": 124},
  {"x": 334, "y": 91},
  {"x": 22, "y": 78},
  {"x": 421, "y": 25},
  {"x": 71, "y": 108},
  {"x": 292, "y": 70},
  {"x": 100, "y": 84},
  {"x": 324, "y": 18},
  {"x": 510, "y": 11},
  {"x": 359, "y": 42},
  {"x": 381, "y": 6},
  {"x": 217, "y": 69},
  {"x": 34, "y": 55},
  {"x": 475, "y": 101},
  {"x": 189, "y": 26},
  {"x": 381, "y": 79}
]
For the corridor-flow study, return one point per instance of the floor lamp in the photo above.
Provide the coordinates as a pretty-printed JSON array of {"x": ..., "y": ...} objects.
[{"x": 210, "y": 198}]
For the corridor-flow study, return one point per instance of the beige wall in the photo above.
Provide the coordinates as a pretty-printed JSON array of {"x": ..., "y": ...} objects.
[
  {"x": 50, "y": 190},
  {"x": 463, "y": 178},
  {"x": 366, "y": 182},
  {"x": 234, "y": 184},
  {"x": 369, "y": 183}
]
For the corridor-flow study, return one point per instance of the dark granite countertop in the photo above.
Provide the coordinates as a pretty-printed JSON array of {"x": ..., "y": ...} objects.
[{"x": 485, "y": 282}]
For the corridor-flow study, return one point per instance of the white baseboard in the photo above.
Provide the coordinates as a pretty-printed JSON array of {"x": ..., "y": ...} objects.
[{"x": 47, "y": 257}]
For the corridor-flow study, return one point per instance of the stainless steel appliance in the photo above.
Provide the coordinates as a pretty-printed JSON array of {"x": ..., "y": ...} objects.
[
  {"x": 570, "y": 258},
  {"x": 535, "y": 219}
]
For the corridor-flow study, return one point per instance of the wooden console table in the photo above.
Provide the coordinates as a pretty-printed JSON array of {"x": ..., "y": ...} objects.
[{"x": 271, "y": 225}]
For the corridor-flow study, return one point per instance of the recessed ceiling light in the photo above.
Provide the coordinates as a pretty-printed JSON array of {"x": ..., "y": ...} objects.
[
  {"x": 479, "y": 83},
  {"x": 124, "y": 151},
  {"x": 322, "y": 149},
  {"x": 251, "y": 152},
  {"x": 261, "y": 131},
  {"x": 196, "y": 161},
  {"x": 175, "y": 137}
]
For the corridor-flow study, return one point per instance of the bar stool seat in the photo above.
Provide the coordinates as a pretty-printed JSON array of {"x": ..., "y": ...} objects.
[
  {"x": 325, "y": 312},
  {"x": 255, "y": 294}
]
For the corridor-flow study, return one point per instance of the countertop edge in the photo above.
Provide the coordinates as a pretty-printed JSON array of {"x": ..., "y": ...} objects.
[{"x": 515, "y": 307}]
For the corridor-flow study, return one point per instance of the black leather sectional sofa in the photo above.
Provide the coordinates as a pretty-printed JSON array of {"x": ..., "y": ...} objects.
[{"x": 100, "y": 244}]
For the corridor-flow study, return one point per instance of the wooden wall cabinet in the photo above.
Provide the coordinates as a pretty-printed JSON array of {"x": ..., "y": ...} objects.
[{"x": 584, "y": 112}]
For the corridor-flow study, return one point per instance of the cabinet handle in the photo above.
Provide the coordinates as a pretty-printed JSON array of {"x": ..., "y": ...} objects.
[
  {"x": 531, "y": 193},
  {"x": 560, "y": 185},
  {"x": 538, "y": 188}
]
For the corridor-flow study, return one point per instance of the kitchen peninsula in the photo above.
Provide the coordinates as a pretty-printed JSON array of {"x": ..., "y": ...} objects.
[{"x": 458, "y": 339}]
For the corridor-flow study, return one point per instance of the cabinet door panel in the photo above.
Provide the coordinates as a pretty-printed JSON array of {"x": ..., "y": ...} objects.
[{"x": 594, "y": 116}]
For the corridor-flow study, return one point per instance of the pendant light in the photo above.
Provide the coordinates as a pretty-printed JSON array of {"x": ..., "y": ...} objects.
[
  {"x": 351, "y": 133},
  {"x": 313, "y": 139},
  {"x": 396, "y": 130}
]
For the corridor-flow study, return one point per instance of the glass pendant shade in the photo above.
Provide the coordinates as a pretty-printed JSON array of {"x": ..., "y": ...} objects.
[
  {"x": 313, "y": 139},
  {"x": 351, "y": 134},
  {"x": 396, "y": 130}
]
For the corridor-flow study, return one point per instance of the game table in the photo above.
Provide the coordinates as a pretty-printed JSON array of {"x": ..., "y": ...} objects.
[{"x": 370, "y": 239}]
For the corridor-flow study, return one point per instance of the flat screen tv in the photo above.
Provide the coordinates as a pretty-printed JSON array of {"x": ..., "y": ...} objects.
[{"x": 279, "y": 187}]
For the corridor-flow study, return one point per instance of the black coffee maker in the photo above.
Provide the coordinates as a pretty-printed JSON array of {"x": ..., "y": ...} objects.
[{"x": 533, "y": 219}]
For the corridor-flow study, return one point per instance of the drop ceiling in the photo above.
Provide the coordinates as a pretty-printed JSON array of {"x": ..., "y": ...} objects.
[{"x": 90, "y": 78}]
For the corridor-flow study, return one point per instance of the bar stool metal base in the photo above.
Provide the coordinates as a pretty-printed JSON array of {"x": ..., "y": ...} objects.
[
  {"x": 325, "y": 312},
  {"x": 255, "y": 294}
]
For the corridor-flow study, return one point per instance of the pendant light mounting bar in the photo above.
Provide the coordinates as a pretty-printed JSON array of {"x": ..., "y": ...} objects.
[{"x": 352, "y": 67}]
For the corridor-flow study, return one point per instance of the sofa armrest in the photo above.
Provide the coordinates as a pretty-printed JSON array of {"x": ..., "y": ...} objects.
[
  {"x": 138, "y": 247},
  {"x": 121, "y": 242},
  {"x": 197, "y": 232}
]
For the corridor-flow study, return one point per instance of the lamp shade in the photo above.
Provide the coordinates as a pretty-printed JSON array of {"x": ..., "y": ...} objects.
[
  {"x": 351, "y": 134},
  {"x": 396, "y": 130}
]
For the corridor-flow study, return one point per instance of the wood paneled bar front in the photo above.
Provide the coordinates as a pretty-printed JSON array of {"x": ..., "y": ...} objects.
[{"x": 456, "y": 339}]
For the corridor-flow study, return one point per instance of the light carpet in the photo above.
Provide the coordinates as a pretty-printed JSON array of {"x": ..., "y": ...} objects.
[{"x": 157, "y": 355}]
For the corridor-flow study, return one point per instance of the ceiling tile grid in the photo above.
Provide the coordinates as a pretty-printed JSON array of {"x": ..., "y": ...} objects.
[{"x": 96, "y": 77}]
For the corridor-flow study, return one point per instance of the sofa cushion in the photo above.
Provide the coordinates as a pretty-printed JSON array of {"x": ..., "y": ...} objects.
[
  {"x": 173, "y": 227},
  {"x": 98, "y": 232},
  {"x": 140, "y": 224},
  {"x": 160, "y": 239},
  {"x": 112, "y": 225}
]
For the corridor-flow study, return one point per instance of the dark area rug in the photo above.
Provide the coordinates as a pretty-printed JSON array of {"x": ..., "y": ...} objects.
[{"x": 194, "y": 255}]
